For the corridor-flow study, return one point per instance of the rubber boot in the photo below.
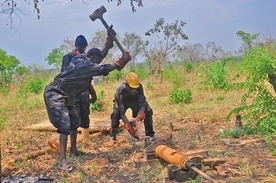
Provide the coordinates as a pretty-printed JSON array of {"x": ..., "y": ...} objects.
[{"x": 85, "y": 136}]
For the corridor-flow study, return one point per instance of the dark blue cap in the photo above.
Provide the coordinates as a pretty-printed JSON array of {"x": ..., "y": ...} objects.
[{"x": 80, "y": 41}]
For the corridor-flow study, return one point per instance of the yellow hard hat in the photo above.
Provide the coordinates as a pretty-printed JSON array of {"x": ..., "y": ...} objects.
[{"x": 132, "y": 80}]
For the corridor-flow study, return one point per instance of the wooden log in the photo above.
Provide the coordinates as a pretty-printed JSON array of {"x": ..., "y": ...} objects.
[
  {"x": 47, "y": 126},
  {"x": 32, "y": 155}
]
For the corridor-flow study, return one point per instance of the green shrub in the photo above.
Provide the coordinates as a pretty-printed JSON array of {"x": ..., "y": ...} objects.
[
  {"x": 216, "y": 74},
  {"x": 4, "y": 90},
  {"x": 180, "y": 96},
  {"x": 98, "y": 106},
  {"x": 32, "y": 85},
  {"x": 189, "y": 66},
  {"x": 234, "y": 132},
  {"x": 115, "y": 75},
  {"x": 259, "y": 113}
]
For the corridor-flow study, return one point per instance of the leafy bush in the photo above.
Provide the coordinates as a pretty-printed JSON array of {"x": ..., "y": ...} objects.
[
  {"x": 189, "y": 66},
  {"x": 260, "y": 113},
  {"x": 32, "y": 85},
  {"x": 115, "y": 75},
  {"x": 10, "y": 66},
  {"x": 234, "y": 132},
  {"x": 178, "y": 95},
  {"x": 216, "y": 74},
  {"x": 98, "y": 106},
  {"x": 4, "y": 90}
]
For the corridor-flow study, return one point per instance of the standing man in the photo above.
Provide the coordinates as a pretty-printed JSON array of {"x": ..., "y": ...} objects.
[
  {"x": 131, "y": 95},
  {"x": 61, "y": 96},
  {"x": 83, "y": 104}
]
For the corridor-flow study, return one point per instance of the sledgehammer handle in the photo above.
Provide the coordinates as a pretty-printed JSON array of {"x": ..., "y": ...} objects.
[{"x": 113, "y": 36}]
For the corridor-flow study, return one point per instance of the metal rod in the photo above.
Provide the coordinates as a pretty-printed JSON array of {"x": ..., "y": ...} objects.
[{"x": 202, "y": 173}]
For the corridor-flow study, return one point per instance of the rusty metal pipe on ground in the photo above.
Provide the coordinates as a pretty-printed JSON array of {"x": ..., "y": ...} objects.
[{"x": 172, "y": 156}]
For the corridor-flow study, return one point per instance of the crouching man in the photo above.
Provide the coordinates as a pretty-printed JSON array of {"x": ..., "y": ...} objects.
[{"x": 130, "y": 94}]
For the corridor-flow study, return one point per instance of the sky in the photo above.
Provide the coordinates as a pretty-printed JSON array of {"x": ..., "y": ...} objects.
[{"x": 32, "y": 40}]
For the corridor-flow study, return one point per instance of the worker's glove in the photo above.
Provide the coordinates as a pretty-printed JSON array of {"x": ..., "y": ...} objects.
[
  {"x": 140, "y": 116},
  {"x": 93, "y": 99},
  {"x": 123, "y": 61},
  {"x": 109, "y": 39},
  {"x": 130, "y": 130}
]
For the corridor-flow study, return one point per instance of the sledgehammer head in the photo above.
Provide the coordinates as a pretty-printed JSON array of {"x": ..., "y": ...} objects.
[{"x": 98, "y": 13}]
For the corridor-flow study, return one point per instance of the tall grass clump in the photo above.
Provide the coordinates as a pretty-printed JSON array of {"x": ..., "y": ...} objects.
[
  {"x": 142, "y": 72},
  {"x": 33, "y": 84},
  {"x": 175, "y": 74}
]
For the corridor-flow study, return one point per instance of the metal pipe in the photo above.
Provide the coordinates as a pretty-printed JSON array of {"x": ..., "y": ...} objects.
[
  {"x": 174, "y": 157},
  {"x": 171, "y": 156},
  {"x": 202, "y": 174}
]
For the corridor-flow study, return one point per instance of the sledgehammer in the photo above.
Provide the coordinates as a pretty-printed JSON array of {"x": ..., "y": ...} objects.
[{"x": 98, "y": 13}]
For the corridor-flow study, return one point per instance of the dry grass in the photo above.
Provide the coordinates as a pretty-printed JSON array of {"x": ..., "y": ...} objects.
[{"x": 195, "y": 126}]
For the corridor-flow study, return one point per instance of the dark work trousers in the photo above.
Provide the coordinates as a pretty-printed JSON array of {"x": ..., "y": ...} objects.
[
  {"x": 83, "y": 107},
  {"x": 148, "y": 122},
  {"x": 64, "y": 118}
]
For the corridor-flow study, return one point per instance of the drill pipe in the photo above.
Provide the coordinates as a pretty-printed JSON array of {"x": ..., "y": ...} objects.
[
  {"x": 174, "y": 157},
  {"x": 171, "y": 156}
]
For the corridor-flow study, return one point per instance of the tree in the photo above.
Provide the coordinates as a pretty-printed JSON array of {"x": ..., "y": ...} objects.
[
  {"x": 10, "y": 7},
  {"x": 133, "y": 44},
  {"x": 132, "y": 2},
  {"x": 191, "y": 53},
  {"x": 248, "y": 40},
  {"x": 98, "y": 41},
  {"x": 9, "y": 67},
  {"x": 213, "y": 52},
  {"x": 55, "y": 57},
  {"x": 168, "y": 37}
]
